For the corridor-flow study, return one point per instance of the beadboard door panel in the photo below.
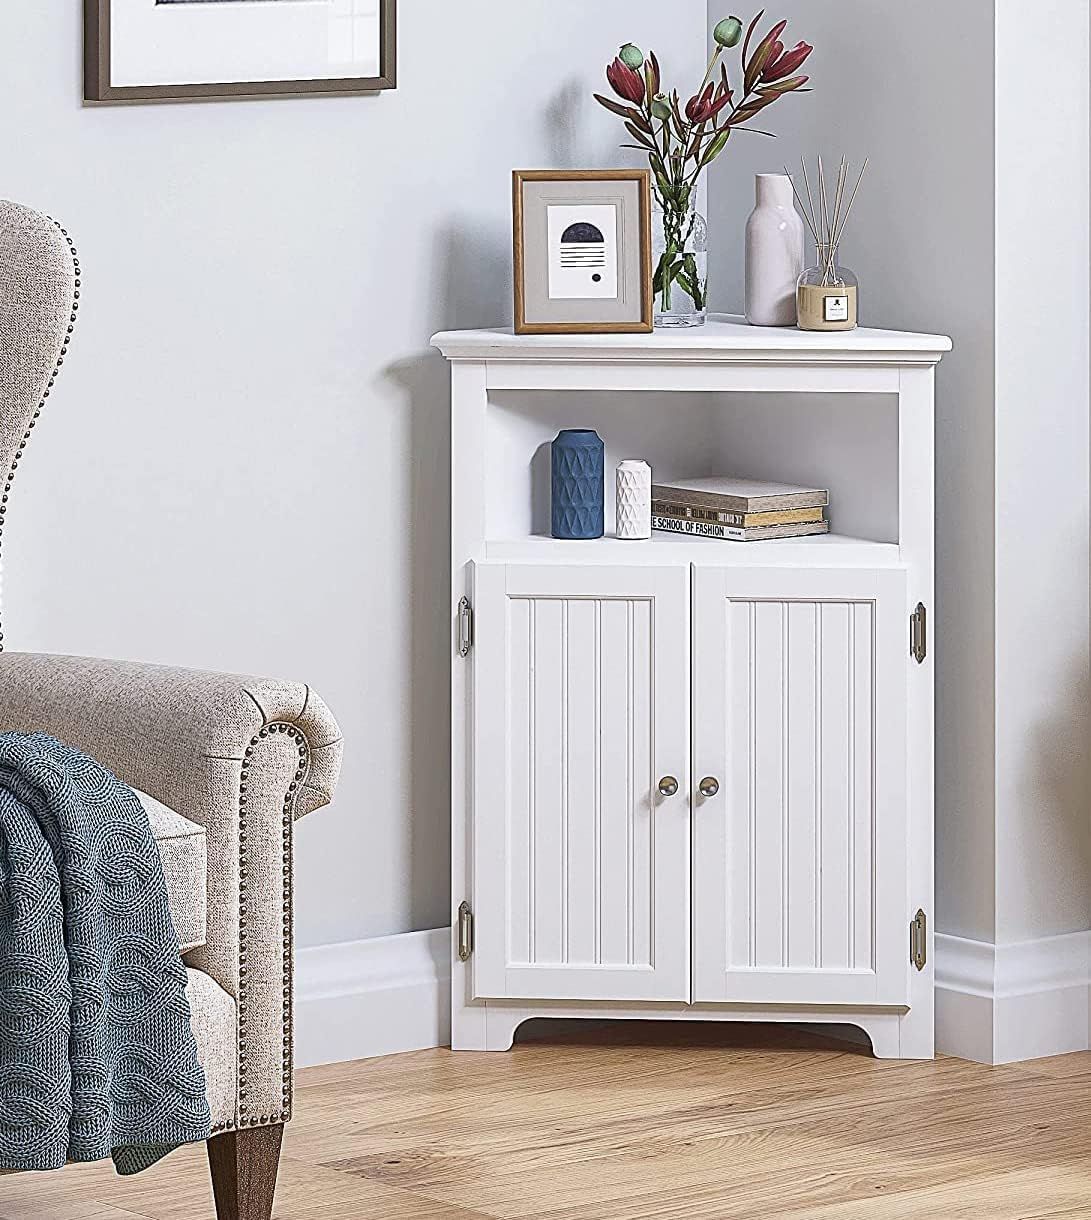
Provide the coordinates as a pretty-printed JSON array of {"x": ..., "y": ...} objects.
[
  {"x": 581, "y": 705},
  {"x": 800, "y": 858}
]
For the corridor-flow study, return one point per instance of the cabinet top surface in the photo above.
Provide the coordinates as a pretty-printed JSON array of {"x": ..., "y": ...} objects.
[{"x": 723, "y": 337}]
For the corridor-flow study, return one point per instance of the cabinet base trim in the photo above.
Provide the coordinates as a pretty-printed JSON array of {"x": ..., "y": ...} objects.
[{"x": 894, "y": 1034}]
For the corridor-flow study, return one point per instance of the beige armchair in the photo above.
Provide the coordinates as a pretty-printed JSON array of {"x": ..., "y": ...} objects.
[{"x": 224, "y": 764}]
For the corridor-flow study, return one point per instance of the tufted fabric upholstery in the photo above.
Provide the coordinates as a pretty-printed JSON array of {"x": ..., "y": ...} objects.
[
  {"x": 239, "y": 757},
  {"x": 39, "y": 297},
  {"x": 37, "y": 293},
  {"x": 212, "y": 1016},
  {"x": 183, "y": 848}
]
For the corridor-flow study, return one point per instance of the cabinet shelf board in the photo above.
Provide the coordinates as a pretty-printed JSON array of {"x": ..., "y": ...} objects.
[{"x": 828, "y": 550}]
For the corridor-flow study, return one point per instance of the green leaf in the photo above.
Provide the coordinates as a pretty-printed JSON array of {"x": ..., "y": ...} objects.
[
  {"x": 687, "y": 287},
  {"x": 692, "y": 288},
  {"x": 651, "y": 77},
  {"x": 751, "y": 109},
  {"x": 664, "y": 268},
  {"x": 756, "y": 66},
  {"x": 750, "y": 34},
  {"x": 638, "y": 135},
  {"x": 693, "y": 279},
  {"x": 716, "y": 147},
  {"x": 626, "y": 112},
  {"x": 784, "y": 86},
  {"x": 680, "y": 128}
]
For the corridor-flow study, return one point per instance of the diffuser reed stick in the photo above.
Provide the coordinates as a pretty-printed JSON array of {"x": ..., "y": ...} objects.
[
  {"x": 826, "y": 299},
  {"x": 827, "y": 224}
]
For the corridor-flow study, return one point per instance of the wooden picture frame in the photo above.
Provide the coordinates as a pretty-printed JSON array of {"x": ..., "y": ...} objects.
[
  {"x": 539, "y": 312},
  {"x": 100, "y": 87}
]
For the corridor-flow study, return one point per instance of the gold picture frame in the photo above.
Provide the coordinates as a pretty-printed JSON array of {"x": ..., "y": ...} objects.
[{"x": 541, "y": 258}]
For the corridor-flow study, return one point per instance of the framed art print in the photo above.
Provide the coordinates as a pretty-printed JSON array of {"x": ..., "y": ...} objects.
[
  {"x": 161, "y": 50},
  {"x": 583, "y": 251}
]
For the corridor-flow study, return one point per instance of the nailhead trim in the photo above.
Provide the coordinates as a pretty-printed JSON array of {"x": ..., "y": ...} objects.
[
  {"x": 45, "y": 393},
  {"x": 246, "y": 1118}
]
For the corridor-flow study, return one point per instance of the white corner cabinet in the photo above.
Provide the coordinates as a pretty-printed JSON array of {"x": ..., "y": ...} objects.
[{"x": 693, "y": 779}]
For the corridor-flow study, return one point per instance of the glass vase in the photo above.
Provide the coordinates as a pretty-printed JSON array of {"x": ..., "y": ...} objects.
[
  {"x": 827, "y": 295},
  {"x": 680, "y": 261}
]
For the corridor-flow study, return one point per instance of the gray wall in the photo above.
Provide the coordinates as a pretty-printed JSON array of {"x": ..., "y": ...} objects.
[
  {"x": 1043, "y": 866},
  {"x": 925, "y": 95},
  {"x": 244, "y": 464}
]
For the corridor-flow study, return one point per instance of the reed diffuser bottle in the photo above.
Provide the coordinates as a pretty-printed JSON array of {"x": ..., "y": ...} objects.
[
  {"x": 827, "y": 293},
  {"x": 826, "y": 298}
]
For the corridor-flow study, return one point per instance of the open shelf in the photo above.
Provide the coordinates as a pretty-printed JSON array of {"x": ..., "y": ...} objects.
[
  {"x": 824, "y": 550},
  {"x": 848, "y": 444}
]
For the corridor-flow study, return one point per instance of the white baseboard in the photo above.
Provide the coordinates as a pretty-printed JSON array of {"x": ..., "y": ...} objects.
[
  {"x": 994, "y": 1003},
  {"x": 373, "y": 997},
  {"x": 1007, "y": 1003}
]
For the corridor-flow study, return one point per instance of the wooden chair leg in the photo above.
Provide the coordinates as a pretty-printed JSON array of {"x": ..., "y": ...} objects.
[{"x": 244, "y": 1172}]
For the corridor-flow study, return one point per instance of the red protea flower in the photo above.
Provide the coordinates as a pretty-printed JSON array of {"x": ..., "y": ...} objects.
[
  {"x": 783, "y": 63},
  {"x": 763, "y": 53},
  {"x": 698, "y": 106},
  {"x": 625, "y": 82},
  {"x": 707, "y": 105}
]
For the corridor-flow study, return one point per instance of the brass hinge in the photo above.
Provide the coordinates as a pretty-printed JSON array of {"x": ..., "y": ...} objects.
[
  {"x": 465, "y": 627},
  {"x": 465, "y": 932},
  {"x": 918, "y": 633},
  {"x": 918, "y": 940}
]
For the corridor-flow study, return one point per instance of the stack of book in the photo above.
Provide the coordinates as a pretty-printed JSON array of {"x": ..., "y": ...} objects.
[{"x": 739, "y": 510}]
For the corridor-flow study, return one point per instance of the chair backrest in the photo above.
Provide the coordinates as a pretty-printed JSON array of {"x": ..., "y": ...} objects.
[{"x": 39, "y": 298}]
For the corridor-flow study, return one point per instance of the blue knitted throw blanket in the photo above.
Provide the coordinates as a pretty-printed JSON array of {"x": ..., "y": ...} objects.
[{"x": 97, "y": 1057}]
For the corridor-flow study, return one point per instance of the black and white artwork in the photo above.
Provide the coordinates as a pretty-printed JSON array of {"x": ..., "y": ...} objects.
[{"x": 583, "y": 252}]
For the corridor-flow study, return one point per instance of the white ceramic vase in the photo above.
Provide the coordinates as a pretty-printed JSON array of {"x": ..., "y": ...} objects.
[
  {"x": 634, "y": 499},
  {"x": 774, "y": 253}
]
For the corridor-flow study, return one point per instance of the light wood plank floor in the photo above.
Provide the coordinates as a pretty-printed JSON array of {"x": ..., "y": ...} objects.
[{"x": 627, "y": 1122}]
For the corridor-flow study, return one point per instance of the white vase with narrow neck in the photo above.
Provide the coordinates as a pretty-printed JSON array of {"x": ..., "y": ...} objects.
[{"x": 774, "y": 253}]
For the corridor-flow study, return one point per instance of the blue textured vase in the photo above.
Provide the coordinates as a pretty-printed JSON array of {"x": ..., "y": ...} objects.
[{"x": 579, "y": 463}]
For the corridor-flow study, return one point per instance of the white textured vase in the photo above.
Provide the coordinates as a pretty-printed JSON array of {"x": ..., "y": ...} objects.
[
  {"x": 634, "y": 499},
  {"x": 774, "y": 253}
]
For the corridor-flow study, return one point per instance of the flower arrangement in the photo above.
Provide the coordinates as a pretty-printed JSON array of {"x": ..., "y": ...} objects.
[{"x": 682, "y": 141}]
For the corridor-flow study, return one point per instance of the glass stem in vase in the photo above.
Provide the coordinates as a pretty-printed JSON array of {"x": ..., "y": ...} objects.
[{"x": 681, "y": 262}]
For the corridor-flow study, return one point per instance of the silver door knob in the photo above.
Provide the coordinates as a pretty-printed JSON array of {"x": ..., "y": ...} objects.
[
  {"x": 709, "y": 786},
  {"x": 668, "y": 786}
]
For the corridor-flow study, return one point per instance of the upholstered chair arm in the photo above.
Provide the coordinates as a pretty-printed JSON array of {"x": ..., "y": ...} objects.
[{"x": 243, "y": 757}]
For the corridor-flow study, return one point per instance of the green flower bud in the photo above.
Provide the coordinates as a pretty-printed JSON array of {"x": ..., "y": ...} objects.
[
  {"x": 631, "y": 56},
  {"x": 728, "y": 32},
  {"x": 661, "y": 107}
]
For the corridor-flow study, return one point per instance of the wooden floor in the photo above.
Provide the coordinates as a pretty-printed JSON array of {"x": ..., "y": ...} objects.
[{"x": 627, "y": 1122}]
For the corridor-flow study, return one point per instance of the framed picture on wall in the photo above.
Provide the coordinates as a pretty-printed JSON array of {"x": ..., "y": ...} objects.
[
  {"x": 583, "y": 251},
  {"x": 164, "y": 50}
]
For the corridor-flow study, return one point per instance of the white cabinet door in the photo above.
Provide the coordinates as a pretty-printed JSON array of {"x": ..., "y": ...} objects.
[
  {"x": 581, "y": 705},
  {"x": 800, "y": 888}
]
